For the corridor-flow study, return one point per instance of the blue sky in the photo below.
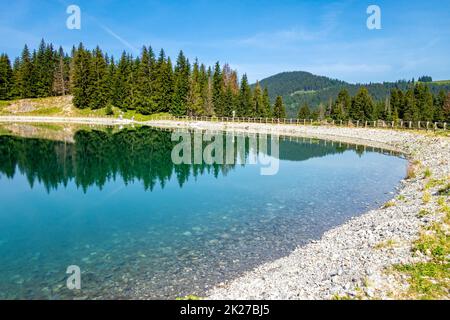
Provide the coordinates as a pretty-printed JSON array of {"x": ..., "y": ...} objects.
[{"x": 260, "y": 38}]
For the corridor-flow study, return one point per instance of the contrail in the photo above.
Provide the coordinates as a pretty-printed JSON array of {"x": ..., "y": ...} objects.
[
  {"x": 106, "y": 29},
  {"x": 119, "y": 38}
]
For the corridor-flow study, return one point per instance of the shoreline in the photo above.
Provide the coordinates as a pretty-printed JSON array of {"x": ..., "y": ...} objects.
[{"x": 347, "y": 260}]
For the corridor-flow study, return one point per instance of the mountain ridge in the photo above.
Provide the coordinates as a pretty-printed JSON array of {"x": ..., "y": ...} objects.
[{"x": 299, "y": 87}]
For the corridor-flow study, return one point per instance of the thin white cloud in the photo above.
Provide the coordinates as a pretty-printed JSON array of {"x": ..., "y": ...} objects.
[{"x": 119, "y": 38}]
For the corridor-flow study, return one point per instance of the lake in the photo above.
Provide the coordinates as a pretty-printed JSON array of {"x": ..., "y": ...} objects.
[{"x": 112, "y": 202}]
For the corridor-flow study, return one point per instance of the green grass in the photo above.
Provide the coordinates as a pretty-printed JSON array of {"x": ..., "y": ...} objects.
[
  {"x": 427, "y": 173},
  {"x": 431, "y": 279},
  {"x": 433, "y": 183},
  {"x": 4, "y": 131},
  {"x": 43, "y": 112},
  {"x": 389, "y": 204},
  {"x": 388, "y": 244},
  {"x": 445, "y": 191},
  {"x": 423, "y": 213},
  {"x": 426, "y": 197},
  {"x": 428, "y": 280},
  {"x": 49, "y": 126},
  {"x": 189, "y": 297},
  {"x": 140, "y": 117},
  {"x": 4, "y": 103},
  {"x": 441, "y": 82}
]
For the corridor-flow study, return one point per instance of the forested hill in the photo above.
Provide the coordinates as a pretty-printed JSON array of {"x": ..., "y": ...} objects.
[
  {"x": 288, "y": 83},
  {"x": 299, "y": 87}
]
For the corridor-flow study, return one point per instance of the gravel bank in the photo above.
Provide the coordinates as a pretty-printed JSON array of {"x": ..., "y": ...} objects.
[{"x": 349, "y": 260}]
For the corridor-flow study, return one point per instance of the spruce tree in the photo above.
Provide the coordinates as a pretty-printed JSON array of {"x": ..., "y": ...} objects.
[
  {"x": 424, "y": 102},
  {"x": 266, "y": 103},
  {"x": 279, "y": 111},
  {"x": 81, "y": 78},
  {"x": 245, "y": 99},
  {"x": 132, "y": 80},
  {"x": 6, "y": 78},
  {"x": 410, "y": 110},
  {"x": 60, "y": 85},
  {"x": 231, "y": 91},
  {"x": 110, "y": 81},
  {"x": 44, "y": 68},
  {"x": 341, "y": 106},
  {"x": 99, "y": 89},
  {"x": 122, "y": 86},
  {"x": 362, "y": 106},
  {"x": 218, "y": 91},
  {"x": 164, "y": 83},
  {"x": 258, "y": 107},
  {"x": 194, "y": 100},
  {"x": 15, "y": 90},
  {"x": 181, "y": 89},
  {"x": 397, "y": 103},
  {"x": 144, "y": 102},
  {"x": 439, "y": 102},
  {"x": 304, "y": 112},
  {"x": 447, "y": 108},
  {"x": 25, "y": 79},
  {"x": 207, "y": 92}
]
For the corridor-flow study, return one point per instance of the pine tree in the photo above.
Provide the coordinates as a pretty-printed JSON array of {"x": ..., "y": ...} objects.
[
  {"x": 397, "y": 103},
  {"x": 194, "y": 100},
  {"x": 424, "y": 102},
  {"x": 6, "y": 78},
  {"x": 60, "y": 85},
  {"x": 207, "y": 91},
  {"x": 25, "y": 81},
  {"x": 99, "y": 90},
  {"x": 410, "y": 110},
  {"x": 15, "y": 90},
  {"x": 362, "y": 106},
  {"x": 132, "y": 81},
  {"x": 122, "y": 86},
  {"x": 279, "y": 111},
  {"x": 245, "y": 99},
  {"x": 218, "y": 91},
  {"x": 258, "y": 107},
  {"x": 143, "y": 102},
  {"x": 44, "y": 68},
  {"x": 341, "y": 106},
  {"x": 304, "y": 112},
  {"x": 439, "y": 102},
  {"x": 110, "y": 81},
  {"x": 181, "y": 89},
  {"x": 81, "y": 78},
  {"x": 163, "y": 84},
  {"x": 266, "y": 103},
  {"x": 231, "y": 91},
  {"x": 447, "y": 108}
]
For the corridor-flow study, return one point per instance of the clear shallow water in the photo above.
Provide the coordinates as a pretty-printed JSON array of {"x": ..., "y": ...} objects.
[{"x": 139, "y": 227}]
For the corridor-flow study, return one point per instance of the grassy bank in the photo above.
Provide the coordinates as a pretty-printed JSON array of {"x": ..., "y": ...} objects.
[
  {"x": 63, "y": 107},
  {"x": 430, "y": 278}
]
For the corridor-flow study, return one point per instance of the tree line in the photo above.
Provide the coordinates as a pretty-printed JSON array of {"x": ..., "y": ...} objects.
[
  {"x": 147, "y": 83},
  {"x": 152, "y": 84},
  {"x": 417, "y": 103}
]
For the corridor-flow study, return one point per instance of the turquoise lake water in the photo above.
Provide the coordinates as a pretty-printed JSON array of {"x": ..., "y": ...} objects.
[{"x": 138, "y": 226}]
